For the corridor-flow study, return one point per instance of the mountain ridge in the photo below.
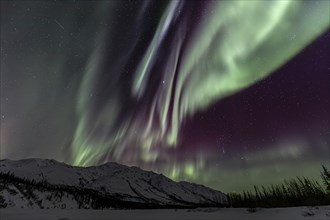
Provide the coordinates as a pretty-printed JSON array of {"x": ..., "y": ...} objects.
[{"x": 109, "y": 185}]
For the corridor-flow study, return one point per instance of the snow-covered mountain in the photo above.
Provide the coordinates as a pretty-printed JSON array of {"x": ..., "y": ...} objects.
[{"x": 49, "y": 184}]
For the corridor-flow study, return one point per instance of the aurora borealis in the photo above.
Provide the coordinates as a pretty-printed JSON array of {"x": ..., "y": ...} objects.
[{"x": 224, "y": 93}]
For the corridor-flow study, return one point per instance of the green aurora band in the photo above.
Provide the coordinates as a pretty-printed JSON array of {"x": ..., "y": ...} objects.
[{"x": 234, "y": 45}]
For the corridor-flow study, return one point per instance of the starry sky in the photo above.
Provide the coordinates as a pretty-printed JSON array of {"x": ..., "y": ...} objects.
[{"x": 223, "y": 93}]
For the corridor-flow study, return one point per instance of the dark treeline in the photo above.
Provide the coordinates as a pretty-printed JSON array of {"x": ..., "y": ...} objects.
[{"x": 296, "y": 192}]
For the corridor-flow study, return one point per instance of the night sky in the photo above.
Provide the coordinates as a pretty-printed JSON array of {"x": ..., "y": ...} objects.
[{"x": 223, "y": 93}]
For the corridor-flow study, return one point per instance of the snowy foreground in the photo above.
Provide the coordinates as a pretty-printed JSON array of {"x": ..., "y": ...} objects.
[{"x": 294, "y": 213}]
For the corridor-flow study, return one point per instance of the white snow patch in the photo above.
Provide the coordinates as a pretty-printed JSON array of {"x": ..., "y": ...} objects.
[{"x": 294, "y": 213}]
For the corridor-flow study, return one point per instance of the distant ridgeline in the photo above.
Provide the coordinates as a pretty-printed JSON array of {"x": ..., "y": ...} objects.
[
  {"x": 38, "y": 183},
  {"x": 296, "y": 192}
]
